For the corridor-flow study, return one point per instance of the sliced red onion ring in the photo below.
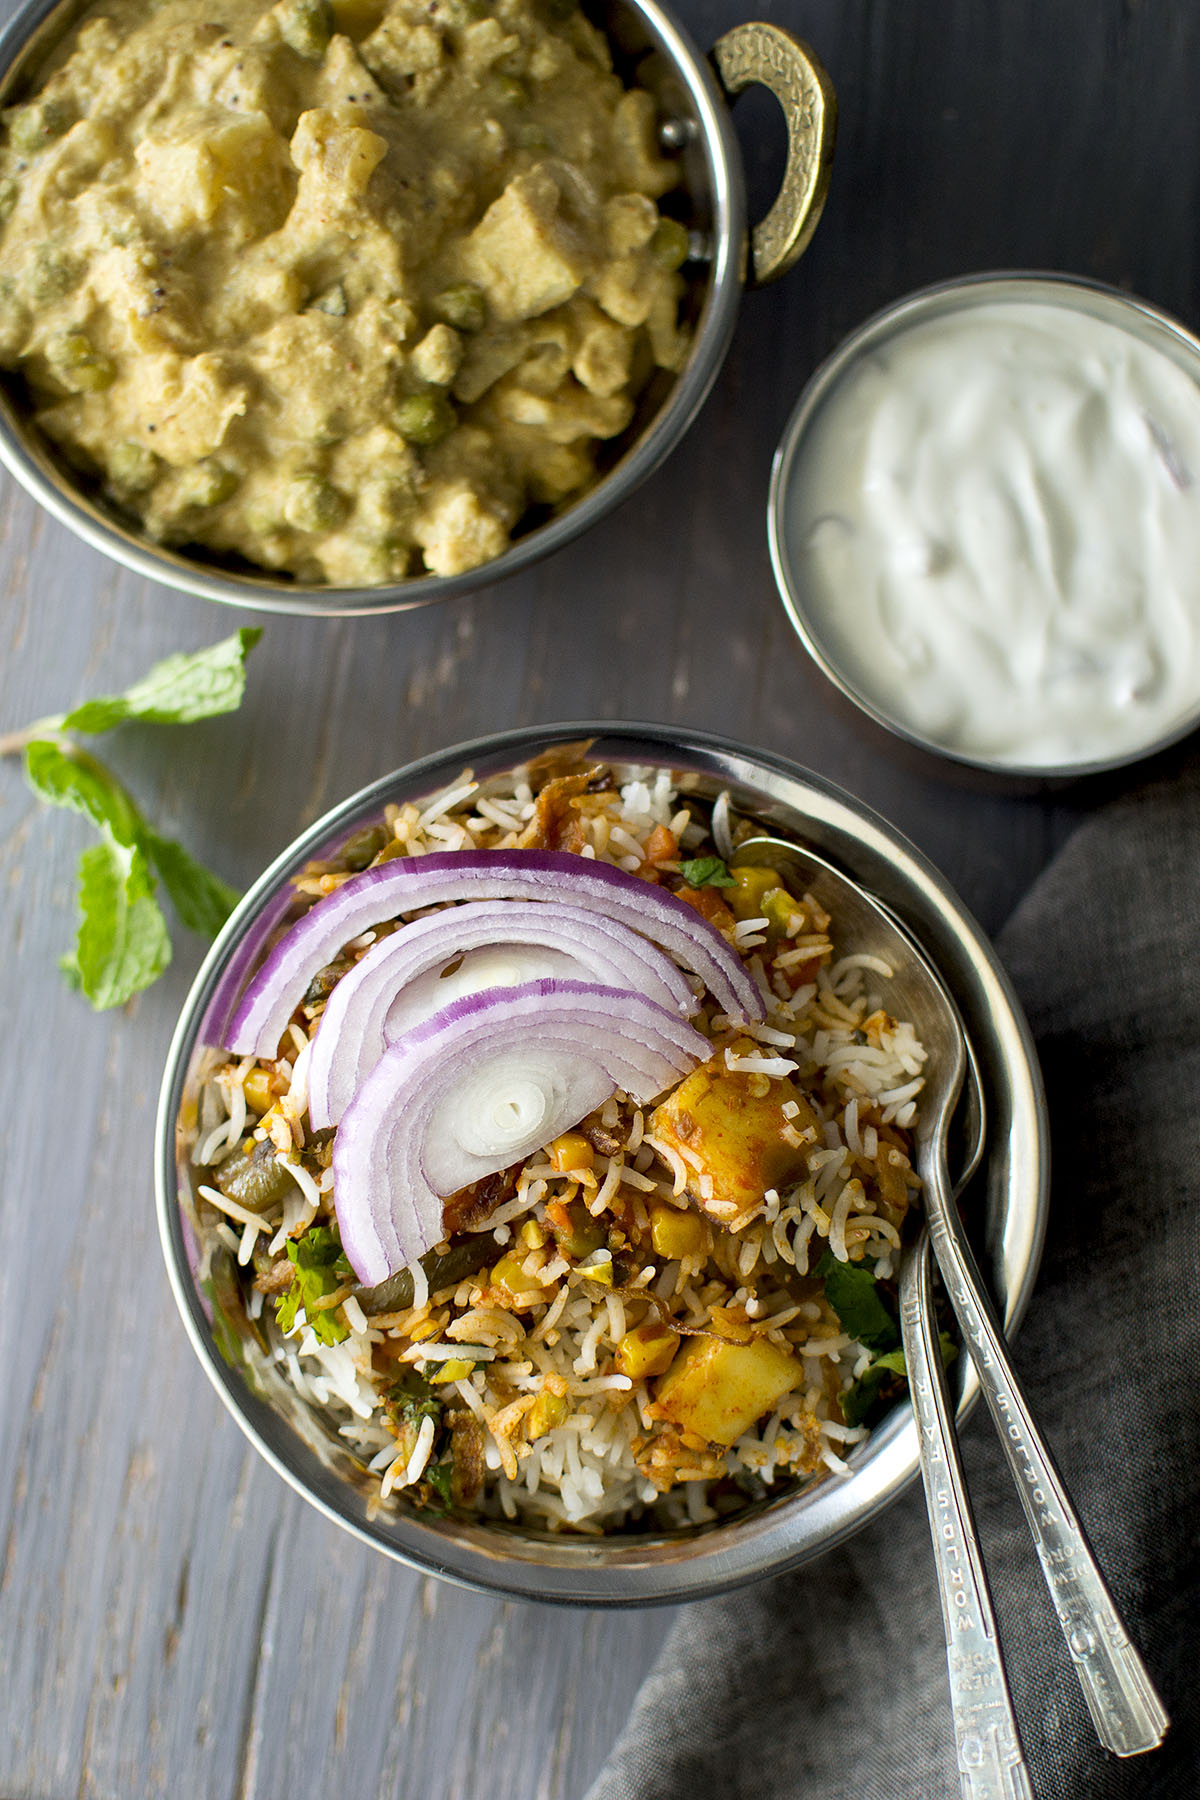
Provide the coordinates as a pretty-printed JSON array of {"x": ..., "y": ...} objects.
[
  {"x": 503, "y": 943},
  {"x": 479, "y": 1086},
  {"x": 407, "y": 884}
]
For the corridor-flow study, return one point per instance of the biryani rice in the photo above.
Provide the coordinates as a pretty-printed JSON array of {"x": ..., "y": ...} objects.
[{"x": 528, "y": 1377}]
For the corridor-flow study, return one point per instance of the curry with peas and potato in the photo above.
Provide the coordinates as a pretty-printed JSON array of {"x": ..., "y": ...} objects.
[{"x": 341, "y": 289}]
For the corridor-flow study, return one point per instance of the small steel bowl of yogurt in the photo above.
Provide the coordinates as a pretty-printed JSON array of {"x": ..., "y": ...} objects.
[{"x": 984, "y": 521}]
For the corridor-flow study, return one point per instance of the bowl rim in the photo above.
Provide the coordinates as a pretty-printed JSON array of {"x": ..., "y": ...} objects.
[
  {"x": 614, "y": 1572},
  {"x": 1051, "y": 286},
  {"x": 42, "y": 475}
]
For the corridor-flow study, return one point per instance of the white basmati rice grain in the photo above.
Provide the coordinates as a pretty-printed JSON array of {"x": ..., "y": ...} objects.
[{"x": 421, "y": 1450}]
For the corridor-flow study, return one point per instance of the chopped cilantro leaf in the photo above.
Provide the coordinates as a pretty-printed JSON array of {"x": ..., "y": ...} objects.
[
  {"x": 706, "y": 871},
  {"x": 439, "y": 1476},
  {"x": 861, "y": 1397},
  {"x": 857, "y": 1299},
  {"x": 321, "y": 1268}
]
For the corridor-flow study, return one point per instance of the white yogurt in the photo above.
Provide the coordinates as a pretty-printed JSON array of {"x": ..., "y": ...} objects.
[{"x": 992, "y": 522}]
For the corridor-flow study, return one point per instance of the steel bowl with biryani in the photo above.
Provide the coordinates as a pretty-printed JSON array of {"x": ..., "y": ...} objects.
[
  {"x": 534, "y": 1165},
  {"x": 386, "y": 300}
]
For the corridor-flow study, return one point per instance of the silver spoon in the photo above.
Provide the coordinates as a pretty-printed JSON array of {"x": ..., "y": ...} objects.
[{"x": 1126, "y": 1711}]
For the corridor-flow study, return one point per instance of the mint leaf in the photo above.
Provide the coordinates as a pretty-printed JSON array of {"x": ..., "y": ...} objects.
[
  {"x": 122, "y": 944},
  {"x": 202, "y": 900},
  {"x": 192, "y": 685},
  {"x": 64, "y": 775},
  {"x": 857, "y": 1299},
  {"x": 706, "y": 871}
]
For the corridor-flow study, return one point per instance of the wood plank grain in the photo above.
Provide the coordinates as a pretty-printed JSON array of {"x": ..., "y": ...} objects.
[{"x": 173, "y": 1620}]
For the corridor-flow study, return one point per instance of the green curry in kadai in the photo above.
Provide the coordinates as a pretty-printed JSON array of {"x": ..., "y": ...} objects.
[{"x": 342, "y": 289}]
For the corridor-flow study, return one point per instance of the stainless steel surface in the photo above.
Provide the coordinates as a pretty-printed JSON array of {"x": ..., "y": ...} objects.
[
  {"x": 669, "y": 64},
  {"x": 1126, "y": 1711},
  {"x": 784, "y": 1532},
  {"x": 987, "y": 1740},
  {"x": 1089, "y": 297}
]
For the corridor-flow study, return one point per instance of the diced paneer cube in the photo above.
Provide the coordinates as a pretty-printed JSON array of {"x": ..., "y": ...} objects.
[
  {"x": 438, "y": 355},
  {"x": 523, "y": 254},
  {"x": 336, "y": 160},
  {"x": 187, "y": 178},
  {"x": 726, "y": 1128},
  {"x": 566, "y": 417},
  {"x": 198, "y": 402},
  {"x": 483, "y": 44},
  {"x": 718, "y": 1389},
  {"x": 604, "y": 355},
  {"x": 456, "y": 531},
  {"x": 630, "y": 221},
  {"x": 396, "y": 48}
]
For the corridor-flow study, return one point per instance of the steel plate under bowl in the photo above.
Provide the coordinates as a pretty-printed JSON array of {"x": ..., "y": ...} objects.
[{"x": 1008, "y": 1197}]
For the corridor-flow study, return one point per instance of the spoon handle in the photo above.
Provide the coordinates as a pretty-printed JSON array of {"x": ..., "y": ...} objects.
[
  {"x": 991, "y": 1762},
  {"x": 1127, "y": 1713}
]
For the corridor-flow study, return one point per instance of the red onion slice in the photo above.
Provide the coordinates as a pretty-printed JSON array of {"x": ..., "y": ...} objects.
[
  {"x": 478, "y": 1087},
  {"x": 398, "y": 982},
  {"x": 410, "y": 883}
]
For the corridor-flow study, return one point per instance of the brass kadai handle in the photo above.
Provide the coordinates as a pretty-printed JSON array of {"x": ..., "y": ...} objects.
[{"x": 758, "y": 52}]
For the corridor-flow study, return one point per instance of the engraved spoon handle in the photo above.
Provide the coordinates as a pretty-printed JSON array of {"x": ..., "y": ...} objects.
[
  {"x": 1127, "y": 1713},
  {"x": 991, "y": 1762}
]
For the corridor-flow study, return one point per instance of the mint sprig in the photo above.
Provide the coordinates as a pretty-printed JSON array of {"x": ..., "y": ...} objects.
[{"x": 123, "y": 943}]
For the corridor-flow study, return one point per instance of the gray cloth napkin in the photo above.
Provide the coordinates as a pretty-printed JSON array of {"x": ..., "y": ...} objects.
[{"x": 832, "y": 1681}]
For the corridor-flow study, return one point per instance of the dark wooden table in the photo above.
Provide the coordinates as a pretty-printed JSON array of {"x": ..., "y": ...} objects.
[{"x": 173, "y": 1621}]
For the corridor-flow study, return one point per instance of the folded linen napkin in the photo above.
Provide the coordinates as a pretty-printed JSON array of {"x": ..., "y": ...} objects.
[{"x": 832, "y": 1681}]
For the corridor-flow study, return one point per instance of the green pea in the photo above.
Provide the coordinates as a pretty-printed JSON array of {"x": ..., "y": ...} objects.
[
  {"x": 32, "y": 127},
  {"x": 53, "y": 275},
  {"x": 425, "y": 418},
  {"x": 463, "y": 306},
  {"x": 75, "y": 358},
  {"x": 306, "y": 27},
  {"x": 311, "y": 504},
  {"x": 207, "y": 484},
  {"x": 332, "y": 301},
  {"x": 531, "y": 136},
  {"x": 509, "y": 91},
  {"x": 94, "y": 376},
  {"x": 9, "y": 195},
  {"x": 132, "y": 466},
  {"x": 669, "y": 244},
  {"x": 70, "y": 350}
]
